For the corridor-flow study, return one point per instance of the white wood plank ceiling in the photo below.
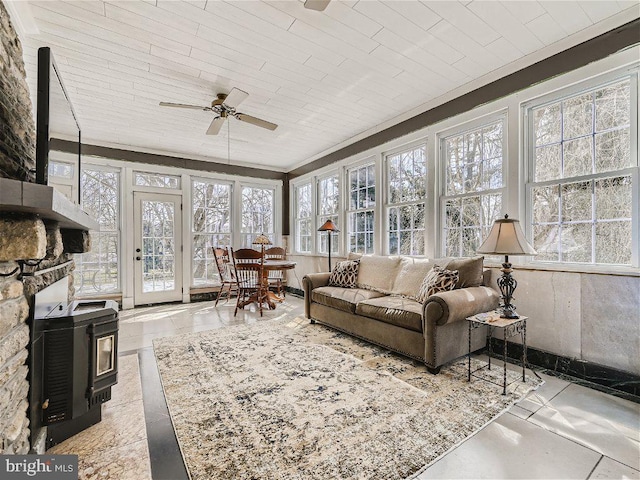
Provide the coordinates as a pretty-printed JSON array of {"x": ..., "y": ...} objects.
[{"x": 324, "y": 77}]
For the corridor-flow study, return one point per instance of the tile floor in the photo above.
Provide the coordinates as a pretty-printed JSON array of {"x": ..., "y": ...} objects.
[
  {"x": 113, "y": 449},
  {"x": 562, "y": 430}
]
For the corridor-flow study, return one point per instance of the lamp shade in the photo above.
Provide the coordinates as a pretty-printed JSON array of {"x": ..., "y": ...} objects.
[
  {"x": 506, "y": 238},
  {"x": 328, "y": 226},
  {"x": 262, "y": 239}
]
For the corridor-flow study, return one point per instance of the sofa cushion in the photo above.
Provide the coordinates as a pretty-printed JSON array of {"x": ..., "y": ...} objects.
[
  {"x": 410, "y": 275},
  {"x": 344, "y": 299},
  {"x": 437, "y": 280},
  {"x": 344, "y": 274},
  {"x": 403, "y": 312},
  {"x": 378, "y": 273},
  {"x": 469, "y": 269}
]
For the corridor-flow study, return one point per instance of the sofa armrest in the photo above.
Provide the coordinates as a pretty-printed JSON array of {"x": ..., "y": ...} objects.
[
  {"x": 455, "y": 305},
  {"x": 309, "y": 282}
]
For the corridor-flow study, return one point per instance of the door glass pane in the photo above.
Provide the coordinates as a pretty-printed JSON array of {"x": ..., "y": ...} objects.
[{"x": 158, "y": 240}]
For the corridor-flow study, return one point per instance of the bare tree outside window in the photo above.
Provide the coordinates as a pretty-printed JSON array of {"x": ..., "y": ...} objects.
[
  {"x": 158, "y": 180},
  {"x": 473, "y": 187},
  {"x": 97, "y": 271},
  {"x": 211, "y": 204},
  {"x": 257, "y": 214},
  {"x": 581, "y": 193},
  {"x": 328, "y": 209},
  {"x": 406, "y": 174},
  {"x": 303, "y": 218},
  {"x": 362, "y": 201}
]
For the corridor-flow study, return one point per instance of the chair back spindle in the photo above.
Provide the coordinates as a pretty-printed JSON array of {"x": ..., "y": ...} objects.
[
  {"x": 226, "y": 273},
  {"x": 248, "y": 265}
]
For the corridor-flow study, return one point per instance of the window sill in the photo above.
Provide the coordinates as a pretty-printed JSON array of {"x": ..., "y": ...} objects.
[{"x": 573, "y": 268}]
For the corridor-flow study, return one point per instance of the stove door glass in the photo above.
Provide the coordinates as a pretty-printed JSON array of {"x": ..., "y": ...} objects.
[{"x": 105, "y": 353}]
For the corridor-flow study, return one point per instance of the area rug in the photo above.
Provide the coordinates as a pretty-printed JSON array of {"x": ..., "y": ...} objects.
[{"x": 290, "y": 400}]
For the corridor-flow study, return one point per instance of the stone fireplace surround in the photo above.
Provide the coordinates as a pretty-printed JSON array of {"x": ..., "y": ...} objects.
[
  {"x": 33, "y": 255},
  {"x": 39, "y": 233}
]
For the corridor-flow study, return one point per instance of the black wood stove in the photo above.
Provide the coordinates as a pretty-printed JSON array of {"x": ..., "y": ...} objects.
[{"x": 74, "y": 363}]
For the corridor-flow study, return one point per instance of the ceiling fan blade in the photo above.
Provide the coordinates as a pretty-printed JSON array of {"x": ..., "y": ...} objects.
[
  {"x": 235, "y": 98},
  {"x": 318, "y": 5},
  {"x": 215, "y": 126},
  {"x": 256, "y": 121},
  {"x": 182, "y": 105}
]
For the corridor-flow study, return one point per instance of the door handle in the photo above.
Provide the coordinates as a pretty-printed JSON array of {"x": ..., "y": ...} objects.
[
  {"x": 138, "y": 258},
  {"x": 137, "y": 250}
]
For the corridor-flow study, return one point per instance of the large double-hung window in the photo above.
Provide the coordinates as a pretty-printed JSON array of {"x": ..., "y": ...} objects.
[
  {"x": 473, "y": 186},
  {"x": 583, "y": 164},
  {"x": 360, "y": 215},
  {"x": 257, "y": 214},
  {"x": 406, "y": 176},
  {"x": 328, "y": 209},
  {"x": 303, "y": 218},
  {"x": 211, "y": 227},
  {"x": 97, "y": 270}
]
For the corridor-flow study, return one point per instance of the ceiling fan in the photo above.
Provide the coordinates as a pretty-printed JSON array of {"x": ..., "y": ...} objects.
[
  {"x": 318, "y": 5},
  {"x": 225, "y": 106}
]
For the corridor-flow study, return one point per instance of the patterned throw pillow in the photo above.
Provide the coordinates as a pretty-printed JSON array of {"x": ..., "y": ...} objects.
[
  {"x": 345, "y": 274},
  {"x": 437, "y": 280}
]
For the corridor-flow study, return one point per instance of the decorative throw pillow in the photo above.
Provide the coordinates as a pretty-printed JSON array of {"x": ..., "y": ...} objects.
[
  {"x": 437, "y": 280},
  {"x": 345, "y": 274}
]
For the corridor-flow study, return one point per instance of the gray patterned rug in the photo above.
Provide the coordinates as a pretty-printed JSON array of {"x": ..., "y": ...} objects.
[{"x": 288, "y": 400}]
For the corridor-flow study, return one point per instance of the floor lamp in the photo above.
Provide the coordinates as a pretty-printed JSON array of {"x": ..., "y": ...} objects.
[
  {"x": 506, "y": 238},
  {"x": 262, "y": 240},
  {"x": 330, "y": 228}
]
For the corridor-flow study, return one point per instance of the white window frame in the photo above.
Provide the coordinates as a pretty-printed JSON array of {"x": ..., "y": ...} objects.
[
  {"x": 68, "y": 186},
  {"x": 119, "y": 222},
  {"x": 210, "y": 260},
  {"x": 160, "y": 188},
  {"x": 374, "y": 209},
  {"x": 336, "y": 242},
  {"x": 462, "y": 129},
  {"x": 246, "y": 238},
  {"x": 388, "y": 205},
  {"x": 528, "y": 145},
  {"x": 299, "y": 219}
]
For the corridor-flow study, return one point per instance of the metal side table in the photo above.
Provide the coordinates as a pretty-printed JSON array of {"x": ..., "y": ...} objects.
[{"x": 510, "y": 328}]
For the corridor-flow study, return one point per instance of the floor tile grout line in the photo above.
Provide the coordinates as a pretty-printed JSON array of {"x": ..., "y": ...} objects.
[
  {"x": 595, "y": 466},
  {"x": 576, "y": 442}
]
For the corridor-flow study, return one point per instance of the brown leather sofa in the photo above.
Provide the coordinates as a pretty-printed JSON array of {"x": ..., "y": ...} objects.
[{"x": 381, "y": 308}]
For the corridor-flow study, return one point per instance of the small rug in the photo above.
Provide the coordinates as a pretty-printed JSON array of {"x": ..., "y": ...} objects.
[{"x": 290, "y": 400}]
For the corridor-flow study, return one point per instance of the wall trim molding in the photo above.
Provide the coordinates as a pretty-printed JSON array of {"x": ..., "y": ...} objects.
[
  {"x": 164, "y": 160},
  {"x": 626, "y": 383}
]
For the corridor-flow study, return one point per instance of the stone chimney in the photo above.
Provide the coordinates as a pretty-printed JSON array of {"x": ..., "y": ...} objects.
[
  {"x": 33, "y": 254},
  {"x": 20, "y": 239}
]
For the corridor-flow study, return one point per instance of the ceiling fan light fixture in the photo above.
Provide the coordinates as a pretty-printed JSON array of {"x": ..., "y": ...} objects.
[{"x": 224, "y": 106}]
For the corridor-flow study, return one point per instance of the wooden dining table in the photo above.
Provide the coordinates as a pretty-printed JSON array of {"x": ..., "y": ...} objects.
[{"x": 266, "y": 295}]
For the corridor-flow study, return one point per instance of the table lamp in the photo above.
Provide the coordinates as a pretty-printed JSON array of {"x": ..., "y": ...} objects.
[
  {"x": 262, "y": 240},
  {"x": 330, "y": 228},
  {"x": 506, "y": 238}
]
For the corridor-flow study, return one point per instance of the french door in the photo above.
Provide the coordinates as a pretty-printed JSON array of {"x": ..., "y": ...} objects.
[{"x": 158, "y": 248}]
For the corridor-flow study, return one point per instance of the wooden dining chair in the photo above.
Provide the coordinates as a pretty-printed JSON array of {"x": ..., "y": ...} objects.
[
  {"x": 248, "y": 265},
  {"x": 226, "y": 272},
  {"x": 276, "y": 277}
]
